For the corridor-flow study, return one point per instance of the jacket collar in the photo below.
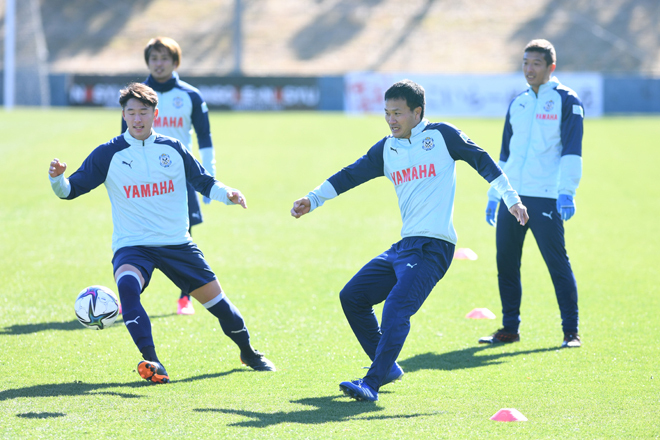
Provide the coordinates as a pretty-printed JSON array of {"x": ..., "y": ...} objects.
[
  {"x": 419, "y": 128},
  {"x": 138, "y": 143},
  {"x": 553, "y": 83},
  {"x": 163, "y": 87}
]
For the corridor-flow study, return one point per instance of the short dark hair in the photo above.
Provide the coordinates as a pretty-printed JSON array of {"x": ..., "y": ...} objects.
[
  {"x": 139, "y": 91},
  {"x": 163, "y": 43},
  {"x": 544, "y": 47},
  {"x": 409, "y": 90}
]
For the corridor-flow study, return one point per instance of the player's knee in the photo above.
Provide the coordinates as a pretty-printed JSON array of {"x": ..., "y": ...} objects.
[
  {"x": 129, "y": 269},
  {"x": 129, "y": 289},
  {"x": 350, "y": 298},
  {"x": 344, "y": 296}
]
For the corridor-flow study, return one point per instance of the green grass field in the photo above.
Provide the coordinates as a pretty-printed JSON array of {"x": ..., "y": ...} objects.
[{"x": 59, "y": 380}]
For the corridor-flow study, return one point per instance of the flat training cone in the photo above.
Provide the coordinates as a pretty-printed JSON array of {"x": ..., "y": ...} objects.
[
  {"x": 509, "y": 415},
  {"x": 480, "y": 313},
  {"x": 465, "y": 254}
]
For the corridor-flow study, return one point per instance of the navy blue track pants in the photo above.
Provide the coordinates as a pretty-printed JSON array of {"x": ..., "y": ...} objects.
[
  {"x": 548, "y": 229},
  {"x": 403, "y": 277}
]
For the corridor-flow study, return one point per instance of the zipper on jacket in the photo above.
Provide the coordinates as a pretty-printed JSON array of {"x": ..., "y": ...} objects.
[
  {"x": 529, "y": 138},
  {"x": 146, "y": 162}
]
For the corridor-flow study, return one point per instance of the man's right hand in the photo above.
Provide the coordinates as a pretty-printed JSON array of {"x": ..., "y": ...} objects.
[
  {"x": 519, "y": 211},
  {"x": 491, "y": 208},
  {"x": 301, "y": 207},
  {"x": 237, "y": 197},
  {"x": 56, "y": 168}
]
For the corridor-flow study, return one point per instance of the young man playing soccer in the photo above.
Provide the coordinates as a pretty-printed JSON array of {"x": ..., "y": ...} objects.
[
  {"x": 542, "y": 155},
  {"x": 146, "y": 176},
  {"x": 181, "y": 108},
  {"x": 419, "y": 159}
]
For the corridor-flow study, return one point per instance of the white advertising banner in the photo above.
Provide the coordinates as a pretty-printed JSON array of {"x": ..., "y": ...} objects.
[{"x": 464, "y": 95}]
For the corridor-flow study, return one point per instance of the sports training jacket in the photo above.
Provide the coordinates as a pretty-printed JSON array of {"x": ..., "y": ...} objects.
[
  {"x": 542, "y": 142},
  {"x": 423, "y": 172},
  {"x": 146, "y": 184}
]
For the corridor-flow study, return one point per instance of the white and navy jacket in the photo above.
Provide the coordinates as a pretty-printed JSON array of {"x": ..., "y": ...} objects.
[
  {"x": 423, "y": 172},
  {"x": 146, "y": 184},
  {"x": 180, "y": 109},
  {"x": 542, "y": 142}
]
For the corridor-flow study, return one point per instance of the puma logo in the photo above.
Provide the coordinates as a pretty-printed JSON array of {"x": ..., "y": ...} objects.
[
  {"x": 394, "y": 149},
  {"x": 127, "y": 163},
  {"x": 411, "y": 265},
  {"x": 549, "y": 215},
  {"x": 132, "y": 321}
]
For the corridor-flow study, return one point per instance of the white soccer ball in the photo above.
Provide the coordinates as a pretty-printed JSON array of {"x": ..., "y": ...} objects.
[{"x": 97, "y": 307}]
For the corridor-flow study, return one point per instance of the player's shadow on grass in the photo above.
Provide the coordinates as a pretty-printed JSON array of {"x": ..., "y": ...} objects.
[
  {"x": 79, "y": 388},
  {"x": 41, "y": 415},
  {"x": 462, "y": 359},
  {"x": 25, "y": 329},
  {"x": 327, "y": 409},
  {"x": 76, "y": 388}
]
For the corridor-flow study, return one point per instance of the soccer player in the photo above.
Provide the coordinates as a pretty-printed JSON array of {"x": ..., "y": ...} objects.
[
  {"x": 181, "y": 108},
  {"x": 419, "y": 159},
  {"x": 146, "y": 176},
  {"x": 542, "y": 155}
]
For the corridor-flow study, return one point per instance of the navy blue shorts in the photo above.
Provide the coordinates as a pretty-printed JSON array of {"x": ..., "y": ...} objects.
[
  {"x": 194, "y": 210},
  {"x": 183, "y": 264}
]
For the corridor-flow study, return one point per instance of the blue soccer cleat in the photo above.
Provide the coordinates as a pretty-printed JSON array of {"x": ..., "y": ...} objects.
[
  {"x": 396, "y": 373},
  {"x": 359, "y": 390}
]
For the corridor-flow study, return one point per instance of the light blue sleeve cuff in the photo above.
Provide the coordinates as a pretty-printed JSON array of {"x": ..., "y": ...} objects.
[
  {"x": 570, "y": 173},
  {"x": 208, "y": 159},
  {"x": 502, "y": 187},
  {"x": 219, "y": 193},
  {"x": 320, "y": 194},
  {"x": 61, "y": 186},
  {"x": 493, "y": 194}
]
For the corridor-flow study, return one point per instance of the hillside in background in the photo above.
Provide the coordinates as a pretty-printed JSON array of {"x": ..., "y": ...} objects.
[{"x": 321, "y": 37}]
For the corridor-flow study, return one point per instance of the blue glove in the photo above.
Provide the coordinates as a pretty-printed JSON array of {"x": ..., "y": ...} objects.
[
  {"x": 565, "y": 206},
  {"x": 206, "y": 200},
  {"x": 491, "y": 208}
]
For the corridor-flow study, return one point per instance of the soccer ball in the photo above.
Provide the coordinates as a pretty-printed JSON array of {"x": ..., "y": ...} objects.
[{"x": 97, "y": 307}]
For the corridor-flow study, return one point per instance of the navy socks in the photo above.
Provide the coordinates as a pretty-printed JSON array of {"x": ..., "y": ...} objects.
[
  {"x": 135, "y": 317},
  {"x": 231, "y": 321}
]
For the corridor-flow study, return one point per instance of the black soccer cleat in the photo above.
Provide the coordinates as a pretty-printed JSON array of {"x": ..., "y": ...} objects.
[
  {"x": 500, "y": 337},
  {"x": 571, "y": 340},
  {"x": 257, "y": 361}
]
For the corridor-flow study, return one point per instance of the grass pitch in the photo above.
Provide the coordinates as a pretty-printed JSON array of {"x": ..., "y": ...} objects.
[{"x": 59, "y": 380}]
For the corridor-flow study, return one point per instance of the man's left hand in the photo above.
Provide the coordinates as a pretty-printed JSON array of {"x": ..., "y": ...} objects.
[{"x": 565, "y": 206}]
